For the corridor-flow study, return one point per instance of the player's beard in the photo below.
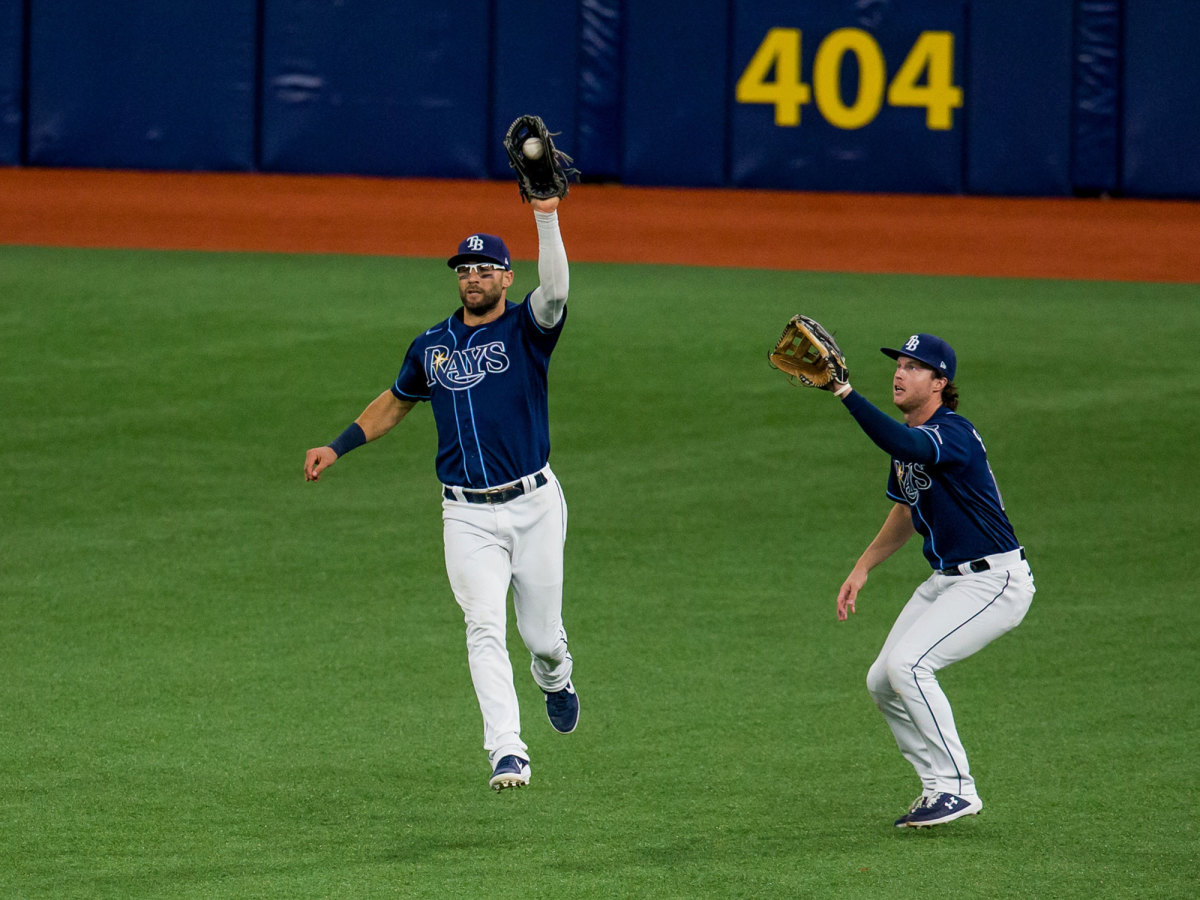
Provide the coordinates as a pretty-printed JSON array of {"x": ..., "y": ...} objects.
[{"x": 488, "y": 298}]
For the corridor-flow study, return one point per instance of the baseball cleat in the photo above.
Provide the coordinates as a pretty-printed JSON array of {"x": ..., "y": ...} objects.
[
  {"x": 511, "y": 772},
  {"x": 919, "y": 803},
  {"x": 941, "y": 808},
  {"x": 562, "y": 709}
]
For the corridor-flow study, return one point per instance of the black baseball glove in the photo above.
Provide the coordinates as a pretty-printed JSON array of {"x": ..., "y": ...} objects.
[{"x": 540, "y": 175}]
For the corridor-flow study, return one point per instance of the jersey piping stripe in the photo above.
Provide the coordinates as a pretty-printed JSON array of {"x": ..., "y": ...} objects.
[
  {"x": 487, "y": 481},
  {"x": 536, "y": 323},
  {"x": 458, "y": 428},
  {"x": 937, "y": 444},
  {"x": 459, "y": 436},
  {"x": 396, "y": 389},
  {"x": 917, "y": 683},
  {"x": 932, "y": 543}
]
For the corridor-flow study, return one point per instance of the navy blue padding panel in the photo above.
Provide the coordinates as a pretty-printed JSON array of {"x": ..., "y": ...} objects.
[
  {"x": 1161, "y": 89},
  {"x": 1019, "y": 98},
  {"x": 142, "y": 84},
  {"x": 377, "y": 87},
  {"x": 543, "y": 81},
  {"x": 677, "y": 96},
  {"x": 600, "y": 63},
  {"x": 12, "y": 56},
  {"x": 895, "y": 151},
  {"x": 1094, "y": 151}
]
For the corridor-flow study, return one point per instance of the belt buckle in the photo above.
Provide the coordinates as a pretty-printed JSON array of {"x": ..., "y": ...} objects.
[{"x": 497, "y": 496}]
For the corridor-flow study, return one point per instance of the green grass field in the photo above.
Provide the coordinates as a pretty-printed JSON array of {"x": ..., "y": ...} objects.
[{"x": 217, "y": 681}]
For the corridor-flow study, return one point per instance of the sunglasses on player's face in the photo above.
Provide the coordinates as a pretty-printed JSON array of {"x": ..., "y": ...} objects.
[{"x": 483, "y": 268}]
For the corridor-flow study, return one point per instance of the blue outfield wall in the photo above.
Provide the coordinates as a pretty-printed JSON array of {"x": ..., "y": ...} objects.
[
  {"x": 1029, "y": 97},
  {"x": 142, "y": 84},
  {"x": 864, "y": 96},
  {"x": 1019, "y": 98},
  {"x": 553, "y": 93},
  {"x": 676, "y": 106},
  {"x": 12, "y": 63},
  {"x": 370, "y": 87},
  {"x": 1095, "y": 166},
  {"x": 1161, "y": 135}
]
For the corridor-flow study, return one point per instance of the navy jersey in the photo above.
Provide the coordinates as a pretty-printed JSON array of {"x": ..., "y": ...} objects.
[
  {"x": 487, "y": 387},
  {"x": 940, "y": 470}
]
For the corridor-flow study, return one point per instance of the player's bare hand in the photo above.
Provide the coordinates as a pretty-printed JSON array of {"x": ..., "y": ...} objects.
[
  {"x": 548, "y": 205},
  {"x": 317, "y": 460},
  {"x": 849, "y": 593}
]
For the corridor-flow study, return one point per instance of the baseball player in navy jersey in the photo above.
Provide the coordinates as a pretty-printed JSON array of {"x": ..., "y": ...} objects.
[
  {"x": 981, "y": 587},
  {"x": 483, "y": 371}
]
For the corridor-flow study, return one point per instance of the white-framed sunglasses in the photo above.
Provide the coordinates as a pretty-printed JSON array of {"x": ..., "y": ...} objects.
[{"x": 483, "y": 268}]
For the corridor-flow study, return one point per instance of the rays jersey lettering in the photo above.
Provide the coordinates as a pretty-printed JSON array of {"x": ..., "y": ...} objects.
[
  {"x": 911, "y": 476},
  {"x": 956, "y": 506},
  {"x": 459, "y": 370},
  {"x": 913, "y": 479},
  {"x": 487, "y": 386}
]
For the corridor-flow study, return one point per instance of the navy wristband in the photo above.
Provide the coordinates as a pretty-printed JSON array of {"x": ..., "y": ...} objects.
[{"x": 349, "y": 439}]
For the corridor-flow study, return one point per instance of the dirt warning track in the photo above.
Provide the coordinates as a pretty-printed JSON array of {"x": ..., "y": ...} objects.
[{"x": 1123, "y": 240}]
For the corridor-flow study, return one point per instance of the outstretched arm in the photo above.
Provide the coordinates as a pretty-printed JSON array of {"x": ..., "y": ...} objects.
[
  {"x": 897, "y": 529},
  {"x": 894, "y": 438},
  {"x": 381, "y": 416},
  {"x": 549, "y": 297}
]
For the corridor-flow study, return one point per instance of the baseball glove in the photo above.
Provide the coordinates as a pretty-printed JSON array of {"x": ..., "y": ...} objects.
[
  {"x": 807, "y": 352},
  {"x": 546, "y": 175}
]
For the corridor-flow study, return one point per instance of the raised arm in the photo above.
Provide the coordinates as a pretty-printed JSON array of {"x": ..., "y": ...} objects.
[
  {"x": 894, "y": 438},
  {"x": 549, "y": 297},
  {"x": 381, "y": 416}
]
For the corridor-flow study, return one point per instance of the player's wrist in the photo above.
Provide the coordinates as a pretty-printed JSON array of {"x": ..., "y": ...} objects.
[
  {"x": 842, "y": 390},
  {"x": 352, "y": 437}
]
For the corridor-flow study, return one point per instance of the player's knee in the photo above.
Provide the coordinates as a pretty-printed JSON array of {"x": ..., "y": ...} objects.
[
  {"x": 878, "y": 683},
  {"x": 546, "y": 645},
  {"x": 546, "y": 641},
  {"x": 900, "y": 670},
  {"x": 548, "y": 651},
  {"x": 484, "y": 631}
]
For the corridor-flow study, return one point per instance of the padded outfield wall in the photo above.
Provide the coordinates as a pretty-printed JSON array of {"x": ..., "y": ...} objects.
[{"x": 1031, "y": 97}]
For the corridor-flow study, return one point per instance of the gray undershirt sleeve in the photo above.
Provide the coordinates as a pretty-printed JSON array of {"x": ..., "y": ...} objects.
[{"x": 549, "y": 297}]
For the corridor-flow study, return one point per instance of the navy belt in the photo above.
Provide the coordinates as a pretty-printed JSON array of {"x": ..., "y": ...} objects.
[
  {"x": 495, "y": 495},
  {"x": 975, "y": 565}
]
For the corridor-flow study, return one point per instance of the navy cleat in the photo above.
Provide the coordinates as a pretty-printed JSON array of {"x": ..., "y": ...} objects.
[
  {"x": 562, "y": 709},
  {"x": 511, "y": 772},
  {"x": 941, "y": 808},
  {"x": 917, "y": 804}
]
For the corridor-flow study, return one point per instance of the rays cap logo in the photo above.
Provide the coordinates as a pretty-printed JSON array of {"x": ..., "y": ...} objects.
[
  {"x": 481, "y": 248},
  {"x": 929, "y": 349}
]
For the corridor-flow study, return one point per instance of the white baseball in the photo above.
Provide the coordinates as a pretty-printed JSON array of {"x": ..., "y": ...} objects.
[{"x": 532, "y": 148}]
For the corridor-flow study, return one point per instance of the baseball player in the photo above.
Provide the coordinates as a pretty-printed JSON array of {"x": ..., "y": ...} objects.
[
  {"x": 483, "y": 371},
  {"x": 981, "y": 587}
]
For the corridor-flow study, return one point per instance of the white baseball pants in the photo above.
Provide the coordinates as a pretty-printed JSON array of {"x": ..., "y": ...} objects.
[
  {"x": 948, "y": 618},
  {"x": 489, "y": 548}
]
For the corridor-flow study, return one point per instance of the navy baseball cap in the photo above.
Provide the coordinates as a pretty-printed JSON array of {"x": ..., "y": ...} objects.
[
  {"x": 929, "y": 349},
  {"x": 480, "y": 248}
]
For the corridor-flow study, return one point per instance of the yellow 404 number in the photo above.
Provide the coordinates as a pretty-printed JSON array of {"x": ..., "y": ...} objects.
[{"x": 924, "y": 79}]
